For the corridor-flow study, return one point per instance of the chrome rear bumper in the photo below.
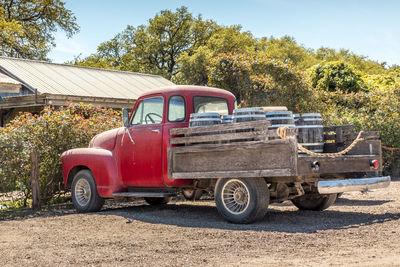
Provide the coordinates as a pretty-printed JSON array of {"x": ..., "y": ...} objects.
[{"x": 361, "y": 184}]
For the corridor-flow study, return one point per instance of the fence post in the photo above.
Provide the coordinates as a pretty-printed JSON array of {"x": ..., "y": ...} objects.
[{"x": 35, "y": 180}]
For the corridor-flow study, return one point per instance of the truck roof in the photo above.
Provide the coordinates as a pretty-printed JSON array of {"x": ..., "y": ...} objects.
[{"x": 185, "y": 89}]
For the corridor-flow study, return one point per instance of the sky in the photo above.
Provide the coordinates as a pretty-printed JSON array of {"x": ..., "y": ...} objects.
[{"x": 366, "y": 27}]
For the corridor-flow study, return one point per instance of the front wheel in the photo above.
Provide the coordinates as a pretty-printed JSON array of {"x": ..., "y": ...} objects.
[
  {"x": 242, "y": 200},
  {"x": 84, "y": 192},
  {"x": 315, "y": 202}
]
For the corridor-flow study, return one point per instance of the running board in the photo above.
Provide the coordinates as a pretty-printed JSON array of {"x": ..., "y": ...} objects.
[{"x": 144, "y": 194}]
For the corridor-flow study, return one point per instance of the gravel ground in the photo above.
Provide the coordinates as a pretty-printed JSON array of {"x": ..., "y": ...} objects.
[{"x": 359, "y": 230}]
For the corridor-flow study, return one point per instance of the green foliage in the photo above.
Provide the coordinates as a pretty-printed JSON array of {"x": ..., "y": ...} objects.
[
  {"x": 193, "y": 64},
  {"x": 154, "y": 48},
  {"x": 51, "y": 133},
  {"x": 335, "y": 76},
  {"x": 258, "y": 81},
  {"x": 360, "y": 63},
  {"x": 287, "y": 50},
  {"x": 27, "y": 27},
  {"x": 376, "y": 109}
]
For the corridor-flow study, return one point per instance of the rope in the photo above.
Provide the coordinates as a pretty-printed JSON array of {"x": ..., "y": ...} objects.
[{"x": 281, "y": 132}]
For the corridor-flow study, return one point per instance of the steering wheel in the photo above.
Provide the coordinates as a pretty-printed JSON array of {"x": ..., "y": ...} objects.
[{"x": 148, "y": 115}]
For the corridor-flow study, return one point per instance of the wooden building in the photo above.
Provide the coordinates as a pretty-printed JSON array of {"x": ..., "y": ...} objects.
[{"x": 29, "y": 85}]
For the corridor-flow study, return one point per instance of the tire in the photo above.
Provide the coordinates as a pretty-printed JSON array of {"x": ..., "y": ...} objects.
[
  {"x": 84, "y": 192},
  {"x": 242, "y": 200},
  {"x": 192, "y": 194},
  {"x": 154, "y": 201},
  {"x": 314, "y": 202}
]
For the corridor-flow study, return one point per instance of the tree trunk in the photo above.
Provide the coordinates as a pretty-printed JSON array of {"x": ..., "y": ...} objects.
[{"x": 35, "y": 180}]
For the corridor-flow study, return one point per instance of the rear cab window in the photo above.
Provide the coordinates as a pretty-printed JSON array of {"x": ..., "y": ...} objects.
[
  {"x": 205, "y": 104},
  {"x": 176, "y": 108}
]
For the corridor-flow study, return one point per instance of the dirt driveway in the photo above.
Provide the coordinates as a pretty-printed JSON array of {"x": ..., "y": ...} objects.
[{"x": 360, "y": 229}]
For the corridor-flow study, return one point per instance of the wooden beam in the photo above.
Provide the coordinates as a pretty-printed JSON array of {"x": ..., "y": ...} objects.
[
  {"x": 35, "y": 180},
  {"x": 221, "y": 127},
  {"x": 231, "y": 174}
]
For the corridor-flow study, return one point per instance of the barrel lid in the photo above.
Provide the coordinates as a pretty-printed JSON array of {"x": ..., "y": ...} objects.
[
  {"x": 248, "y": 110},
  {"x": 227, "y": 117},
  {"x": 206, "y": 114},
  {"x": 278, "y": 113},
  {"x": 308, "y": 115}
]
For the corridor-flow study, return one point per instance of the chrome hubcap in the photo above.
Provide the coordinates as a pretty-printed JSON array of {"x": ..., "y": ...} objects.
[
  {"x": 235, "y": 196},
  {"x": 82, "y": 192}
]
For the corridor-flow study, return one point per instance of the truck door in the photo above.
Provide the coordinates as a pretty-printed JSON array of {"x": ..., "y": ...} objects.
[{"x": 140, "y": 161}]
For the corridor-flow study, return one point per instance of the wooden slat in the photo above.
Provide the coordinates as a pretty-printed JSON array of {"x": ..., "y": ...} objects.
[
  {"x": 231, "y": 174},
  {"x": 274, "y": 158},
  {"x": 219, "y": 137},
  {"x": 345, "y": 128},
  {"x": 365, "y": 135},
  {"x": 260, "y": 135},
  {"x": 336, "y": 165},
  {"x": 221, "y": 127},
  {"x": 229, "y": 146}
]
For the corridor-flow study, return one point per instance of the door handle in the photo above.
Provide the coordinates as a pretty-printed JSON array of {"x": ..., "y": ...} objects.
[{"x": 155, "y": 131}]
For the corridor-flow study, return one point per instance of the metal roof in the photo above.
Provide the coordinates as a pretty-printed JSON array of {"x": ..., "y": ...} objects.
[
  {"x": 4, "y": 79},
  {"x": 64, "y": 79}
]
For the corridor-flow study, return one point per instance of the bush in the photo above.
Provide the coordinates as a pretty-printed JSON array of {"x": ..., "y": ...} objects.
[
  {"x": 377, "y": 109},
  {"x": 51, "y": 133},
  {"x": 335, "y": 76},
  {"x": 257, "y": 80}
]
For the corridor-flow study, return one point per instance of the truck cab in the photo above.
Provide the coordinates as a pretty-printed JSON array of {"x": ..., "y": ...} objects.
[{"x": 132, "y": 160}]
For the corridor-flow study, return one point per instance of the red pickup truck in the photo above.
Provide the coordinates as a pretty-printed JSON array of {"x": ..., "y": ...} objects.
[{"x": 146, "y": 158}]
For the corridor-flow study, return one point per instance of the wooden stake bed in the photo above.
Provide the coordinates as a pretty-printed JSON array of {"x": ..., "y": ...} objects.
[
  {"x": 249, "y": 149},
  {"x": 231, "y": 150}
]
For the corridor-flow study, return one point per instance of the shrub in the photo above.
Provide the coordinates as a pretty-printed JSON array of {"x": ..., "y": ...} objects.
[
  {"x": 336, "y": 75},
  {"x": 51, "y": 133},
  {"x": 258, "y": 80},
  {"x": 377, "y": 109}
]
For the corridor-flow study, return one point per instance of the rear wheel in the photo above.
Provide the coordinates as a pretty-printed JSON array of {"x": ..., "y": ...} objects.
[
  {"x": 315, "y": 202},
  {"x": 154, "y": 201},
  {"x": 242, "y": 200},
  {"x": 192, "y": 194},
  {"x": 84, "y": 192}
]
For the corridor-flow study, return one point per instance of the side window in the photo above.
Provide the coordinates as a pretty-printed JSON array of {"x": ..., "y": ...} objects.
[
  {"x": 149, "y": 111},
  {"x": 176, "y": 108}
]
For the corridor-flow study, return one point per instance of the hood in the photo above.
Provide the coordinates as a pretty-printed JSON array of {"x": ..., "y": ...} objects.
[{"x": 106, "y": 140}]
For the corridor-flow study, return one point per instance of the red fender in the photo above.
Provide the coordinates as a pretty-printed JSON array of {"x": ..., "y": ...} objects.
[{"x": 101, "y": 163}]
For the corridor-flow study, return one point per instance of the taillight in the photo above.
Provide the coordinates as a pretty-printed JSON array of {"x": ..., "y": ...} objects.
[{"x": 374, "y": 164}]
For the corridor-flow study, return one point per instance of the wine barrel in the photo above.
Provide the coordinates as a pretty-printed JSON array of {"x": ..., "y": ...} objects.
[
  {"x": 248, "y": 114},
  {"x": 280, "y": 119},
  {"x": 204, "y": 119},
  {"x": 310, "y": 131},
  {"x": 227, "y": 119}
]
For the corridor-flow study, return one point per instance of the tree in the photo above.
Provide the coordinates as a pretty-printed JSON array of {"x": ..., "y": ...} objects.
[
  {"x": 257, "y": 80},
  {"x": 27, "y": 27},
  {"x": 193, "y": 64},
  {"x": 360, "y": 63},
  {"x": 155, "y": 48},
  {"x": 287, "y": 50},
  {"x": 335, "y": 76}
]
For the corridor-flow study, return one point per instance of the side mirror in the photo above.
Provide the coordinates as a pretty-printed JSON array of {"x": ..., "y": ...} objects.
[{"x": 125, "y": 117}]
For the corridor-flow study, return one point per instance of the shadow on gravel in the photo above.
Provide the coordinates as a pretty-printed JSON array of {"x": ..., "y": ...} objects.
[
  {"x": 185, "y": 215},
  {"x": 357, "y": 202}
]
